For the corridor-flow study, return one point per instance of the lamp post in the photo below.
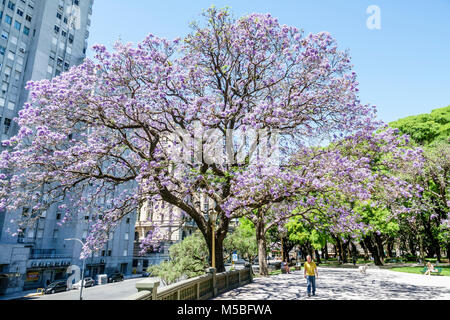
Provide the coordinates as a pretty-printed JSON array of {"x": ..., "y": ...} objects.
[
  {"x": 212, "y": 219},
  {"x": 82, "y": 269}
]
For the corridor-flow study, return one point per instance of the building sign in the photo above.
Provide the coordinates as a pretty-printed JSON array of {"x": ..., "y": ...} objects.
[{"x": 33, "y": 276}]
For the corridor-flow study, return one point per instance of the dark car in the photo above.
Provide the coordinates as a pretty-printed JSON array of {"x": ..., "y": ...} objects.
[
  {"x": 59, "y": 286},
  {"x": 115, "y": 277}
]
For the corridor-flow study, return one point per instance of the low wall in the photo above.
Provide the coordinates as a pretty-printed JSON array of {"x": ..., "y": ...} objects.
[{"x": 199, "y": 288}]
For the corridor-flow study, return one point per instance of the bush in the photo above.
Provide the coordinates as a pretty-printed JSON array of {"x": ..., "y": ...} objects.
[{"x": 410, "y": 257}]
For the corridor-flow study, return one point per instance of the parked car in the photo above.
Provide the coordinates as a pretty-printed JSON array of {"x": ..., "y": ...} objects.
[
  {"x": 58, "y": 286},
  {"x": 115, "y": 277},
  {"x": 146, "y": 274},
  {"x": 88, "y": 282}
]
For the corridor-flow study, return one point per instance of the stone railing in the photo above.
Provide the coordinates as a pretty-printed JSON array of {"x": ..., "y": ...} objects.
[{"x": 199, "y": 288}]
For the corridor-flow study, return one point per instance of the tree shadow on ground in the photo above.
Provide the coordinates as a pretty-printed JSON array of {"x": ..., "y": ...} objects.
[{"x": 336, "y": 284}]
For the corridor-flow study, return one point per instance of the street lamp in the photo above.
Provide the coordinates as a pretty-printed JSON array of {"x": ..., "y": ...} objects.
[
  {"x": 82, "y": 269},
  {"x": 213, "y": 218}
]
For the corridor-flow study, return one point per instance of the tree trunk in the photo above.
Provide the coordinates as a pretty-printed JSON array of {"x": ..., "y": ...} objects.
[
  {"x": 448, "y": 252},
  {"x": 317, "y": 256},
  {"x": 373, "y": 250},
  {"x": 262, "y": 249},
  {"x": 379, "y": 246},
  {"x": 366, "y": 252},
  {"x": 325, "y": 251},
  {"x": 422, "y": 253},
  {"x": 390, "y": 247},
  {"x": 220, "y": 266}
]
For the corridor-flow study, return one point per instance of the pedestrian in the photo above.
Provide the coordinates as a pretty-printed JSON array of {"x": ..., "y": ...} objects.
[
  {"x": 354, "y": 259},
  {"x": 311, "y": 274}
]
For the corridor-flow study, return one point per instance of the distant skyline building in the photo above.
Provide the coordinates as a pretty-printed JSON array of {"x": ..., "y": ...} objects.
[{"x": 41, "y": 39}]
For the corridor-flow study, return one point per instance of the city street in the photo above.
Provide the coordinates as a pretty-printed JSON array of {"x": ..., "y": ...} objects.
[{"x": 111, "y": 291}]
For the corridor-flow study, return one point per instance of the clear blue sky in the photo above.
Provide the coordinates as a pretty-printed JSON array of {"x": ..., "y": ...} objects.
[{"x": 403, "y": 68}]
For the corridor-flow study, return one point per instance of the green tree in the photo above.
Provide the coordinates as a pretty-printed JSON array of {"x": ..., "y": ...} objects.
[
  {"x": 430, "y": 229},
  {"x": 243, "y": 240},
  {"x": 426, "y": 129},
  {"x": 188, "y": 258}
]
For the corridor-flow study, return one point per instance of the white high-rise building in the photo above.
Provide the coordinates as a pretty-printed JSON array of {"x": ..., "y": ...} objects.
[{"x": 41, "y": 39}]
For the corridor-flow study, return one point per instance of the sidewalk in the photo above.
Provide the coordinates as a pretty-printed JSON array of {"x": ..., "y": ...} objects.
[
  {"x": 345, "y": 284},
  {"x": 17, "y": 295}
]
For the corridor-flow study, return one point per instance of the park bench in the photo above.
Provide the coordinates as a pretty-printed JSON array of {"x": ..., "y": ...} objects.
[{"x": 437, "y": 271}]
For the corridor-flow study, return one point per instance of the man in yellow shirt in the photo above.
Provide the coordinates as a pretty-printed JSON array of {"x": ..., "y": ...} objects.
[{"x": 311, "y": 274}]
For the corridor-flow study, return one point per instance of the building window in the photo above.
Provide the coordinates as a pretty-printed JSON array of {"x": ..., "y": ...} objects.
[
  {"x": 8, "y": 19},
  {"x": 125, "y": 253},
  {"x": 58, "y": 216},
  {"x": 5, "y": 35},
  {"x": 31, "y": 233},
  {"x": 28, "y": 18},
  {"x": 56, "y": 29},
  {"x": 26, "y": 30},
  {"x": 59, "y": 15},
  {"x": 17, "y": 25},
  {"x": 11, "y": 5},
  {"x": 2, "y": 50},
  {"x": 55, "y": 234},
  {"x": 7, "y": 125},
  {"x": 40, "y": 234},
  {"x": 109, "y": 253},
  {"x": 126, "y": 236},
  {"x": 4, "y": 88},
  {"x": 11, "y": 55},
  {"x": 20, "y": 12}
]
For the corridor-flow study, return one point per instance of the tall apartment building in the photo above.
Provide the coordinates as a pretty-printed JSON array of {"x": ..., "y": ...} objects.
[{"x": 41, "y": 39}]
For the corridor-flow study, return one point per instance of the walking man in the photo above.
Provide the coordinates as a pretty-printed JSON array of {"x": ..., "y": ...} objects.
[{"x": 311, "y": 274}]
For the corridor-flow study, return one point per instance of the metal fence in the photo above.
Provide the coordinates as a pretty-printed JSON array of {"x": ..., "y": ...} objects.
[{"x": 199, "y": 288}]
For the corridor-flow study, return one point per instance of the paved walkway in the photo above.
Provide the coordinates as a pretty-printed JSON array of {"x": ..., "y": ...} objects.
[{"x": 346, "y": 284}]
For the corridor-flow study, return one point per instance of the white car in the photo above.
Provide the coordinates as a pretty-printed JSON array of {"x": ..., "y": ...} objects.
[{"x": 88, "y": 282}]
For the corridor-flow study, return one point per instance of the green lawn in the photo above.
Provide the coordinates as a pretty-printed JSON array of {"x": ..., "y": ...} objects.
[{"x": 418, "y": 270}]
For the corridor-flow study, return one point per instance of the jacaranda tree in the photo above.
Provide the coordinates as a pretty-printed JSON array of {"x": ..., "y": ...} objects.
[{"x": 103, "y": 134}]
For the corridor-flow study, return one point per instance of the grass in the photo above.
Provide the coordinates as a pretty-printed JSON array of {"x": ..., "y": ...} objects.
[{"x": 418, "y": 270}]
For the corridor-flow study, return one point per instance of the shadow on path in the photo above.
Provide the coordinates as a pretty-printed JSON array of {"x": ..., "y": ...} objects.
[{"x": 337, "y": 284}]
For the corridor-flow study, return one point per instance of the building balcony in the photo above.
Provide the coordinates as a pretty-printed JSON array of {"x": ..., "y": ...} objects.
[{"x": 47, "y": 254}]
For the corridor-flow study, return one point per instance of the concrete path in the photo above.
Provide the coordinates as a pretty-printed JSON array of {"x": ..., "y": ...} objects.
[{"x": 346, "y": 284}]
